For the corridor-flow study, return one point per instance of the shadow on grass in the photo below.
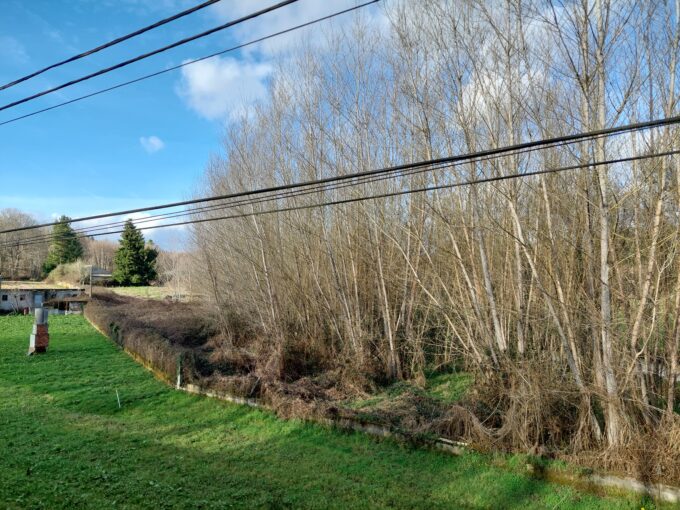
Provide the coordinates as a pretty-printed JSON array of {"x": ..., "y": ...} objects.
[{"x": 238, "y": 457}]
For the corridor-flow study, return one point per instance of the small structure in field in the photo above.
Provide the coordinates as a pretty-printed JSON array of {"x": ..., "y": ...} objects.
[
  {"x": 97, "y": 273},
  {"x": 40, "y": 337},
  {"x": 67, "y": 305}
]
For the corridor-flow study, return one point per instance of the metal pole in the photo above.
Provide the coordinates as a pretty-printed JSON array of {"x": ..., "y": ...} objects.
[
  {"x": 90, "y": 281},
  {"x": 180, "y": 358}
]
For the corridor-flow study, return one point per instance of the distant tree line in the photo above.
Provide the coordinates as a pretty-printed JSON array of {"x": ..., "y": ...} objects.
[
  {"x": 17, "y": 260},
  {"x": 132, "y": 260},
  {"x": 66, "y": 246}
]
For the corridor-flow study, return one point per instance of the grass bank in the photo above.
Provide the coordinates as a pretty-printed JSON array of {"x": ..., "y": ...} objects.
[{"x": 65, "y": 443}]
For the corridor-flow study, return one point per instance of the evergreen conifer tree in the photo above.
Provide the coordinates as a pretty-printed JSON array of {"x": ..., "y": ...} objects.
[
  {"x": 135, "y": 261},
  {"x": 65, "y": 247}
]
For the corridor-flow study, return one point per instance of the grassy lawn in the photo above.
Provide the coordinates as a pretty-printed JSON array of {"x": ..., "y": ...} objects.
[
  {"x": 65, "y": 443},
  {"x": 147, "y": 292}
]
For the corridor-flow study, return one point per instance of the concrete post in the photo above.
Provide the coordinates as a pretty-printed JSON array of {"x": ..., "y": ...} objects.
[{"x": 40, "y": 336}]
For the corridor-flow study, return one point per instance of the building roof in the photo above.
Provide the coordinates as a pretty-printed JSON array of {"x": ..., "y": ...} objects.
[{"x": 36, "y": 286}]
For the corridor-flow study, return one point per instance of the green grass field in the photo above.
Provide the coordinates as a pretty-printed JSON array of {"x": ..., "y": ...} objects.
[
  {"x": 65, "y": 443},
  {"x": 147, "y": 292}
]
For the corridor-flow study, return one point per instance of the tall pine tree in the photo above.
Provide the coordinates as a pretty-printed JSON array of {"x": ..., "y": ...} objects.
[
  {"x": 65, "y": 247},
  {"x": 135, "y": 262}
]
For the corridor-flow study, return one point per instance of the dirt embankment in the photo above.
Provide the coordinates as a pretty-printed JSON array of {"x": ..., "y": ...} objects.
[{"x": 169, "y": 336}]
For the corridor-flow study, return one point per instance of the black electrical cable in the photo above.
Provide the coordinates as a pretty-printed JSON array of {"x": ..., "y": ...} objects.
[
  {"x": 449, "y": 159},
  {"x": 184, "y": 64},
  {"x": 293, "y": 193},
  {"x": 483, "y": 180},
  {"x": 238, "y": 203},
  {"x": 115, "y": 41},
  {"x": 149, "y": 54},
  {"x": 392, "y": 194}
]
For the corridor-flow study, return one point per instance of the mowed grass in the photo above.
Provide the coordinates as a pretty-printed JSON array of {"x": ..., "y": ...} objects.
[
  {"x": 65, "y": 443},
  {"x": 147, "y": 292}
]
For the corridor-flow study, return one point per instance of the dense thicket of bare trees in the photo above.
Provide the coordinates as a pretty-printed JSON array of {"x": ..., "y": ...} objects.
[
  {"x": 99, "y": 252},
  {"x": 17, "y": 260},
  {"x": 176, "y": 272},
  {"x": 562, "y": 290}
]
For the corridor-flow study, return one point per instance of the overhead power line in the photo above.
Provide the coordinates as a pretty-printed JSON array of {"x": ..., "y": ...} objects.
[
  {"x": 281, "y": 195},
  {"x": 150, "y": 53},
  {"x": 243, "y": 202},
  {"x": 238, "y": 203},
  {"x": 483, "y": 180},
  {"x": 547, "y": 142},
  {"x": 109, "y": 44},
  {"x": 187, "y": 63}
]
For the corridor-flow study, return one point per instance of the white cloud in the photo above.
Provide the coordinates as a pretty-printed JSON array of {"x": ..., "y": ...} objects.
[
  {"x": 223, "y": 87},
  {"x": 12, "y": 49},
  {"x": 151, "y": 144},
  {"x": 290, "y": 16}
]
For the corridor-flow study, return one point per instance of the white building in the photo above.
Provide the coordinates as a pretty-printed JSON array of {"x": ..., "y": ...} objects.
[{"x": 20, "y": 297}]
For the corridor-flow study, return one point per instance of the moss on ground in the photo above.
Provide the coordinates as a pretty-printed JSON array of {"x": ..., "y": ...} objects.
[{"x": 447, "y": 388}]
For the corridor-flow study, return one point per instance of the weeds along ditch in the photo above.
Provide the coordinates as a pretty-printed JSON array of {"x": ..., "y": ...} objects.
[
  {"x": 181, "y": 339},
  {"x": 175, "y": 339},
  {"x": 66, "y": 443}
]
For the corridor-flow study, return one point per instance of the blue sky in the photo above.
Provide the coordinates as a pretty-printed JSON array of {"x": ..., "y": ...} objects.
[{"x": 143, "y": 144}]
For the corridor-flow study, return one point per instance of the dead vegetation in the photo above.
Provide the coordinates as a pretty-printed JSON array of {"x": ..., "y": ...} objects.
[
  {"x": 161, "y": 333},
  {"x": 560, "y": 292},
  {"x": 524, "y": 411}
]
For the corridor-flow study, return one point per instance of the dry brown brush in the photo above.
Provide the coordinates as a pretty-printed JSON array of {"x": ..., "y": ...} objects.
[{"x": 560, "y": 292}]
